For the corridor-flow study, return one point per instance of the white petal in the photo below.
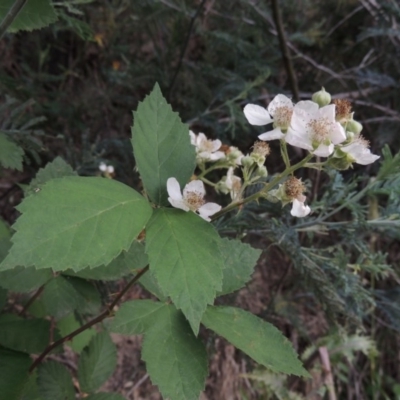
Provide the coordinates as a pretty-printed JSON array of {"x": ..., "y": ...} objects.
[
  {"x": 327, "y": 112},
  {"x": 174, "y": 189},
  {"x": 361, "y": 154},
  {"x": 194, "y": 186},
  {"x": 299, "y": 120},
  {"x": 201, "y": 139},
  {"x": 178, "y": 203},
  {"x": 337, "y": 134},
  {"x": 299, "y": 209},
  {"x": 216, "y": 156},
  {"x": 193, "y": 138},
  {"x": 216, "y": 144},
  {"x": 323, "y": 150},
  {"x": 306, "y": 105},
  {"x": 272, "y": 135},
  {"x": 366, "y": 159},
  {"x": 208, "y": 209},
  {"x": 257, "y": 115},
  {"x": 298, "y": 139},
  {"x": 280, "y": 100}
]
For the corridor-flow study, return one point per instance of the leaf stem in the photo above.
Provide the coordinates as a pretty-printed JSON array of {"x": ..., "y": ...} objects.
[
  {"x": 11, "y": 15},
  {"x": 106, "y": 313}
]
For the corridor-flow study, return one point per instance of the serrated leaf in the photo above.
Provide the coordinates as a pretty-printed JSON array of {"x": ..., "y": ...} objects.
[
  {"x": 69, "y": 324},
  {"x": 185, "y": 259},
  {"x": 175, "y": 359},
  {"x": 35, "y": 14},
  {"x": 13, "y": 373},
  {"x": 91, "y": 303},
  {"x": 149, "y": 282},
  {"x": 126, "y": 263},
  {"x": 11, "y": 155},
  {"x": 255, "y": 337},
  {"x": 76, "y": 222},
  {"x": 27, "y": 336},
  {"x": 60, "y": 297},
  {"x": 30, "y": 390},
  {"x": 97, "y": 362},
  {"x": 239, "y": 261},
  {"x": 20, "y": 279},
  {"x": 105, "y": 396},
  {"x": 58, "y": 168},
  {"x": 55, "y": 382},
  {"x": 161, "y": 145},
  {"x": 136, "y": 317}
]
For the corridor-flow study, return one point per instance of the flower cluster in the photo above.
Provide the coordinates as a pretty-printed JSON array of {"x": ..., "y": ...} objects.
[{"x": 107, "y": 170}]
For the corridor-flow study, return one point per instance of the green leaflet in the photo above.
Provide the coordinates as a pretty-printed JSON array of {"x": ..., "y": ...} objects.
[
  {"x": 35, "y": 14},
  {"x": 55, "y": 382},
  {"x": 239, "y": 262},
  {"x": 76, "y": 222},
  {"x": 255, "y": 337},
  {"x": 11, "y": 155},
  {"x": 185, "y": 259},
  {"x": 22, "y": 279},
  {"x": 161, "y": 145},
  {"x": 97, "y": 362}
]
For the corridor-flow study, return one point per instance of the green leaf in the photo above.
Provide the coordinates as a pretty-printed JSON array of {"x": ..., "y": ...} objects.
[
  {"x": 13, "y": 373},
  {"x": 185, "y": 259},
  {"x": 24, "y": 280},
  {"x": 76, "y": 222},
  {"x": 5, "y": 240},
  {"x": 239, "y": 260},
  {"x": 28, "y": 336},
  {"x": 3, "y": 298},
  {"x": 149, "y": 282},
  {"x": 30, "y": 390},
  {"x": 91, "y": 303},
  {"x": 136, "y": 317},
  {"x": 11, "y": 155},
  {"x": 69, "y": 324},
  {"x": 126, "y": 263},
  {"x": 55, "y": 382},
  {"x": 161, "y": 145},
  {"x": 35, "y": 14},
  {"x": 97, "y": 362},
  {"x": 255, "y": 337},
  {"x": 175, "y": 359},
  {"x": 105, "y": 396},
  {"x": 58, "y": 168},
  {"x": 60, "y": 297}
]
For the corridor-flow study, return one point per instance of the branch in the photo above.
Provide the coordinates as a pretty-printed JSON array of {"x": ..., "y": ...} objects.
[
  {"x": 32, "y": 299},
  {"x": 287, "y": 60},
  {"x": 99, "y": 318},
  {"x": 11, "y": 15}
]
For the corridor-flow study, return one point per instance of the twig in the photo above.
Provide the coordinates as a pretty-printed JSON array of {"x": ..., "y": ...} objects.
[
  {"x": 183, "y": 51},
  {"x": 11, "y": 15},
  {"x": 326, "y": 365},
  {"x": 287, "y": 60},
  {"x": 99, "y": 318},
  {"x": 32, "y": 299}
]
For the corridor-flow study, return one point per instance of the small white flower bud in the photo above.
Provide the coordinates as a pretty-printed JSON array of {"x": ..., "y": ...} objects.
[
  {"x": 354, "y": 126},
  {"x": 322, "y": 98}
]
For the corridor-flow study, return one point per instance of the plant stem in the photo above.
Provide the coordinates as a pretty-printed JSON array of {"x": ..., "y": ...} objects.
[
  {"x": 285, "y": 154},
  {"x": 11, "y": 15},
  {"x": 99, "y": 318},
  {"x": 32, "y": 299},
  {"x": 265, "y": 189}
]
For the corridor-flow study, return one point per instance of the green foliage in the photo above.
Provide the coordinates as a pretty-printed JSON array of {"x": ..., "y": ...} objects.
[
  {"x": 185, "y": 258},
  {"x": 239, "y": 261},
  {"x": 35, "y": 14},
  {"x": 80, "y": 224},
  {"x": 11, "y": 155},
  {"x": 161, "y": 145},
  {"x": 3, "y": 298},
  {"x": 20, "y": 279},
  {"x": 97, "y": 362},
  {"x": 55, "y": 382},
  {"x": 13, "y": 373},
  {"x": 105, "y": 396},
  {"x": 257, "y": 338},
  {"x": 28, "y": 336}
]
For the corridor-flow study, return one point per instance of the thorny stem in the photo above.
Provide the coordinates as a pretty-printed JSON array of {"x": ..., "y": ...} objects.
[
  {"x": 11, "y": 15},
  {"x": 107, "y": 313},
  {"x": 265, "y": 189}
]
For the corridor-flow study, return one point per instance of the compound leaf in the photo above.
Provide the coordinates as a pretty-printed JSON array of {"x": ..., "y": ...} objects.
[
  {"x": 20, "y": 279},
  {"x": 55, "y": 382},
  {"x": 76, "y": 222},
  {"x": 35, "y": 14},
  {"x": 255, "y": 337},
  {"x": 161, "y": 145},
  {"x": 97, "y": 362},
  {"x": 185, "y": 259}
]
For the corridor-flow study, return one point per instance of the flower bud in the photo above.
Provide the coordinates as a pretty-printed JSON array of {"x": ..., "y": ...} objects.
[
  {"x": 354, "y": 126},
  {"x": 341, "y": 163},
  {"x": 262, "y": 171},
  {"x": 247, "y": 161},
  {"x": 322, "y": 98}
]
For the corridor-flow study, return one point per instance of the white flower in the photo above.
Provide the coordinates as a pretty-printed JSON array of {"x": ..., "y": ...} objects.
[
  {"x": 279, "y": 112},
  {"x": 359, "y": 152},
  {"x": 206, "y": 150},
  {"x": 300, "y": 210},
  {"x": 192, "y": 198},
  {"x": 106, "y": 169},
  {"x": 233, "y": 184},
  {"x": 102, "y": 167},
  {"x": 315, "y": 129}
]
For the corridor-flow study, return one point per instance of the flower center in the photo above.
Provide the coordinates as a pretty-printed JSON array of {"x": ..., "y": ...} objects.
[
  {"x": 194, "y": 200},
  {"x": 282, "y": 117},
  {"x": 261, "y": 148},
  {"x": 342, "y": 109},
  {"x": 294, "y": 188},
  {"x": 207, "y": 146},
  {"x": 320, "y": 129}
]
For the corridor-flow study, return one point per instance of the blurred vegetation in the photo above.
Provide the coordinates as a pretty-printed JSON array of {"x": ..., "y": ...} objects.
[{"x": 69, "y": 90}]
